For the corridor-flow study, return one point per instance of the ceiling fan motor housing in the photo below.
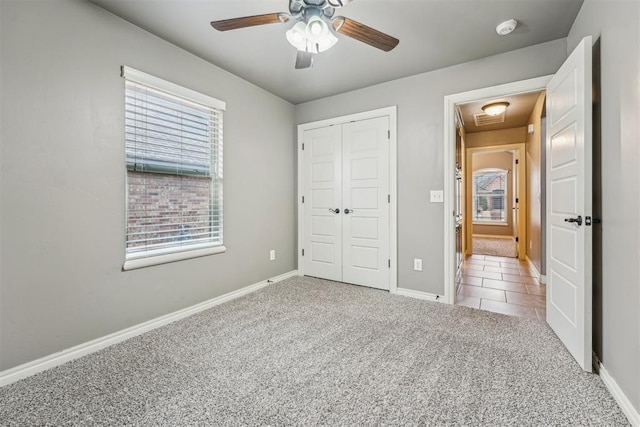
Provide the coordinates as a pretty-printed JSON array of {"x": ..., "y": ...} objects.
[{"x": 303, "y": 9}]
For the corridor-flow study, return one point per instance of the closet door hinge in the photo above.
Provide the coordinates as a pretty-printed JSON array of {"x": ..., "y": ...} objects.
[
  {"x": 303, "y": 146},
  {"x": 388, "y": 198},
  {"x": 389, "y": 263},
  {"x": 517, "y": 162},
  {"x": 388, "y": 134},
  {"x": 303, "y": 252},
  {"x": 302, "y": 199},
  {"x": 517, "y": 239}
]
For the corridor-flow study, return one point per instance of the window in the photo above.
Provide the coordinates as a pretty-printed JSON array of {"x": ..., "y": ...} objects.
[
  {"x": 489, "y": 196},
  {"x": 173, "y": 145}
]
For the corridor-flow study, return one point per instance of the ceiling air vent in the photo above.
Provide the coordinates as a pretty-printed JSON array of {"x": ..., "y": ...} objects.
[{"x": 483, "y": 119}]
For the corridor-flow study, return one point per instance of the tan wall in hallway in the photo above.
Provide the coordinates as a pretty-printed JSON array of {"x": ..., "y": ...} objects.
[
  {"x": 496, "y": 137},
  {"x": 534, "y": 190}
]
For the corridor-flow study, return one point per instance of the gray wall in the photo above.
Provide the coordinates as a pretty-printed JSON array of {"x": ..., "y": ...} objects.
[
  {"x": 420, "y": 101},
  {"x": 617, "y": 23},
  {"x": 63, "y": 180}
]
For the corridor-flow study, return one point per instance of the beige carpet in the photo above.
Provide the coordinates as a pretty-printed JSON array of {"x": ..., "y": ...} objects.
[
  {"x": 494, "y": 246},
  {"x": 309, "y": 352}
]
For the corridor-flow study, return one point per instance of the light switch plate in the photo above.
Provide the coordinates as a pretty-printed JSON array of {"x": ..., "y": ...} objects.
[
  {"x": 437, "y": 196},
  {"x": 417, "y": 264}
]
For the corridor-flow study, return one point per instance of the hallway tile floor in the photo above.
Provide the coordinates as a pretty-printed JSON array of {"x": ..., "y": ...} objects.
[{"x": 502, "y": 285}]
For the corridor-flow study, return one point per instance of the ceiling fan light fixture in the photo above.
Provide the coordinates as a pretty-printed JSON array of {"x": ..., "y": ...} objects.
[
  {"x": 316, "y": 29},
  {"x": 297, "y": 36},
  {"x": 495, "y": 108},
  {"x": 327, "y": 42},
  {"x": 313, "y": 36}
]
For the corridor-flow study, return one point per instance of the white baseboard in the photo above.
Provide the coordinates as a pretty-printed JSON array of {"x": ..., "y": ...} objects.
[
  {"x": 28, "y": 369},
  {"x": 541, "y": 277},
  {"x": 419, "y": 295},
  {"x": 625, "y": 404}
]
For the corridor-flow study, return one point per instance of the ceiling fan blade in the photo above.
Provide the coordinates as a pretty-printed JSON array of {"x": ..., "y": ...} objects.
[
  {"x": 304, "y": 60},
  {"x": 365, "y": 34},
  {"x": 249, "y": 21}
]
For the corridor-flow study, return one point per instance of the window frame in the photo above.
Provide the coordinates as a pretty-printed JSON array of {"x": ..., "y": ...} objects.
[
  {"x": 173, "y": 254},
  {"x": 487, "y": 171}
]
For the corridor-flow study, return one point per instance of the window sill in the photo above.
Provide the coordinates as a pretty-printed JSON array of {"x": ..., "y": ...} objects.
[
  {"x": 141, "y": 262},
  {"x": 499, "y": 224}
]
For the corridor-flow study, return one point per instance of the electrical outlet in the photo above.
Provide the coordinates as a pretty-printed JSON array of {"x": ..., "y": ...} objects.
[
  {"x": 437, "y": 196},
  {"x": 417, "y": 264},
  {"x": 272, "y": 255}
]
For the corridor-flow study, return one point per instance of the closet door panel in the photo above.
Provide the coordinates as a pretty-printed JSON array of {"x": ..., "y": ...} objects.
[
  {"x": 365, "y": 189},
  {"x": 322, "y": 175}
]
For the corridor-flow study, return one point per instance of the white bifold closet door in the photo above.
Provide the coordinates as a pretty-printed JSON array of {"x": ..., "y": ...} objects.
[{"x": 346, "y": 208}]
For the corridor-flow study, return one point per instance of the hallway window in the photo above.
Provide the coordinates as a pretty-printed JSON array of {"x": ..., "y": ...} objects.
[
  {"x": 489, "y": 196},
  {"x": 173, "y": 145}
]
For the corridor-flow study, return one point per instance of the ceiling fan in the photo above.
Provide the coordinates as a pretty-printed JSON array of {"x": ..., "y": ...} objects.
[{"x": 315, "y": 28}]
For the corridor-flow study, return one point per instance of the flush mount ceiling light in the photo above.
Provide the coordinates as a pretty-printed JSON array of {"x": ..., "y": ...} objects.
[
  {"x": 506, "y": 27},
  {"x": 315, "y": 28},
  {"x": 495, "y": 108}
]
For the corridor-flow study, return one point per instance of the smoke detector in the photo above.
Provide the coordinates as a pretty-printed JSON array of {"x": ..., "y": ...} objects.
[{"x": 506, "y": 27}]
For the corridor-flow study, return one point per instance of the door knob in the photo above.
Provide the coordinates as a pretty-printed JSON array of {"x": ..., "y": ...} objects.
[
  {"x": 336, "y": 210},
  {"x": 577, "y": 220},
  {"x": 348, "y": 211}
]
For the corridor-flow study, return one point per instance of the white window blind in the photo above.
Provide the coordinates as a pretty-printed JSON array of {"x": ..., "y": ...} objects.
[{"x": 173, "y": 147}]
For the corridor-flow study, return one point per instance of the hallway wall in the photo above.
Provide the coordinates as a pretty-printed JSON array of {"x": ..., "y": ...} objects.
[{"x": 534, "y": 144}]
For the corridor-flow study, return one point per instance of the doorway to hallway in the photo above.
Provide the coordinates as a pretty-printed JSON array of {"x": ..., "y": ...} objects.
[{"x": 501, "y": 285}]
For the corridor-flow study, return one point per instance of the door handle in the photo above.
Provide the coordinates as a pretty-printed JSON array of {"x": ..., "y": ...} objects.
[
  {"x": 348, "y": 211},
  {"x": 577, "y": 220},
  {"x": 336, "y": 210}
]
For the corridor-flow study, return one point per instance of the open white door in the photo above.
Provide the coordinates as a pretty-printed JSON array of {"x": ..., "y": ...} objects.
[{"x": 569, "y": 199}]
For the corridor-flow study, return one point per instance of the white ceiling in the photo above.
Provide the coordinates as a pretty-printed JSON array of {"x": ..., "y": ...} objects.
[{"x": 433, "y": 34}]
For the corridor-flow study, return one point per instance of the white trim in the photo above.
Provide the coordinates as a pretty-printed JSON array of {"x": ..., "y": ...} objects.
[
  {"x": 541, "y": 277},
  {"x": 392, "y": 114},
  {"x": 418, "y": 295},
  {"x": 625, "y": 404},
  {"x": 132, "y": 264},
  {"x": 172, "y": 88},
  {"x": 449, "y": 141},
  {"x": 499, "y": 224},
  {"x": 12, "y": 375}
]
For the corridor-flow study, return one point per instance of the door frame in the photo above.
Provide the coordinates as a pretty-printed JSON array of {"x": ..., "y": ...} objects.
[
  {"x": 392, "y": 114},
  {"x": 449, "y": 144},
  {"x": 520, "y": 153}
]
